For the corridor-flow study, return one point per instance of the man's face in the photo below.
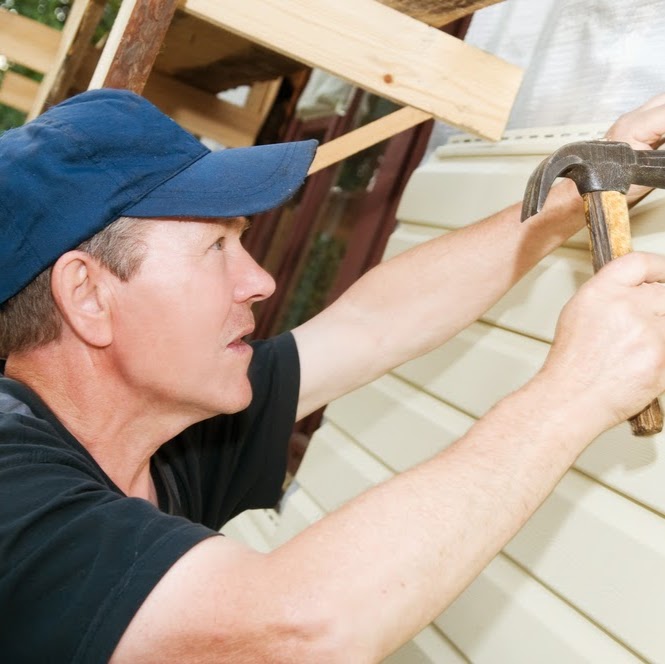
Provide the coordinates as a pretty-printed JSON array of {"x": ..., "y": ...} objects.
[{"x": 179, "y": 323}]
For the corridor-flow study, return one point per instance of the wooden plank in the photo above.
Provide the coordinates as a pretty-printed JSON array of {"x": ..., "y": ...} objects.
[
  {"x": 82, "y": 21},
  {"x": 201, "y": 112},
  {"x": 27, "y": 42},
  {"x": 605, "y": 555},
  {"x": 380, "y": 50},
  {"x": 261, "y": 97},
  {"x": 18, "y": 91},
  {"x": 212, "y": 59},
  {"x": 133, "y": 44},
  {"x": 507, "y": 616},
  {"x": 437, "y": 12},
  {"x": 366, "y": 136}
]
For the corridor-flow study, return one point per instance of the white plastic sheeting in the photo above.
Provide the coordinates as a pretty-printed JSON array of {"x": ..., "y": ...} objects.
[{"x": 585, "y": 61}]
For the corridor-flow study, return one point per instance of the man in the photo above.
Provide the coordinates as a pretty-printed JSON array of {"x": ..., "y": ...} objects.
[{"x": 136, "y": 421}]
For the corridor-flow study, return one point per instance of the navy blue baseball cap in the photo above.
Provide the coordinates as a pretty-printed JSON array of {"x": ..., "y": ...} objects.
[{"x": 108, "y": 153}]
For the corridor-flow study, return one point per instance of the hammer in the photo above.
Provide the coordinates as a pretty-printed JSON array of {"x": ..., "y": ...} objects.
[{"x": 603, "y": 171}]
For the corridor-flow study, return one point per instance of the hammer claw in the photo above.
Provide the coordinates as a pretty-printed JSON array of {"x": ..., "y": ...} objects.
[{"x": 602, "y": 171}]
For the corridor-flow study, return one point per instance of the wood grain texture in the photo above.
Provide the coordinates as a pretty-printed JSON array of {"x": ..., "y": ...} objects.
[
  {"x": 437, "y": 12},
  {"x": 27, "y": 42},
  {"x": 380, "y": 50},
  {"x": 366, "y": 136},
  {"x": 609, "y": 231},
  {"x": 133, "y": 44},
  {"x": 18, "y": 91},
  {"x": 214, "y": 59},
  {"x": 82, "y": 20}
]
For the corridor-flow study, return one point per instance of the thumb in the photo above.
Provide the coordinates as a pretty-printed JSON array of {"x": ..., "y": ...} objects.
[{"x": 635, "y": 269}]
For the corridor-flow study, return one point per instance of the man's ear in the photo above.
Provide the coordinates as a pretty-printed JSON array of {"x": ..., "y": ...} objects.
[{"x": 81, "y": 292}]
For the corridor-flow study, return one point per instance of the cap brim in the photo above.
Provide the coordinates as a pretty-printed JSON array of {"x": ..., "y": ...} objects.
[{"x": 234, "y": 182}]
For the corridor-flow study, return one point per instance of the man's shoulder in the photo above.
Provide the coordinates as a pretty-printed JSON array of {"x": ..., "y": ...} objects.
[{"x": 31, "y": 434}]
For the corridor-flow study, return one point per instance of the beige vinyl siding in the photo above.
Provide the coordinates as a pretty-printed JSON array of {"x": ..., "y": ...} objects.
[{"x": 584, "y": 580}]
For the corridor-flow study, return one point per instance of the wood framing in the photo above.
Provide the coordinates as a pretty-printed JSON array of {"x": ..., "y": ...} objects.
[
  {"x": 18, "y": 91},
  {"x": 27, "y": 42},
  {"x": 380, "y": 50},
  {"x": 366, "y": 136},
  {"x": 206, "y": 115},
  {"x": 136, "y": 37},
  {"x": 83, "y": 18},
  {"x": 437, "y": 12}
]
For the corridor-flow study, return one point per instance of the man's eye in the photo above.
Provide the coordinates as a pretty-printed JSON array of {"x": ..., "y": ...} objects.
[{"x": 219, "y": 245}]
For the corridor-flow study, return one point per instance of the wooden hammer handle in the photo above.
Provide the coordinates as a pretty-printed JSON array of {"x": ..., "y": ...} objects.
[{"x": 609, "y": 229}]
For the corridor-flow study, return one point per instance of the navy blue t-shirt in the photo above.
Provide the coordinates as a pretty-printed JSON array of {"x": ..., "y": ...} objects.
[{"x": 77, "y": 556}]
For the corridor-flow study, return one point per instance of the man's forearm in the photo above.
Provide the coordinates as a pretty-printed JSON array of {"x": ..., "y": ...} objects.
[
  {"x": 404, "y": 550},
  {"x": 430, "y": 293},
  {"x": 416, "y": 301}
]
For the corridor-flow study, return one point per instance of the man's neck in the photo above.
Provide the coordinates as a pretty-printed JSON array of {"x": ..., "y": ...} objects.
[{"x": 117, "y": 425}]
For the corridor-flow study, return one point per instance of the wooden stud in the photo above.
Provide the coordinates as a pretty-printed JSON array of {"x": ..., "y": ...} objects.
[
  {"x": 439, "y": 13},
  {"x": 380, "y": 50},
  {"x": 366, "y": 136},
  {"x": 28, "y": 42},
  {"x": 84, "y": 17},
  {"x": 201, "y": 112},
  {"x": 18, "y": 91},
  {"x": 133, "y": 44}
]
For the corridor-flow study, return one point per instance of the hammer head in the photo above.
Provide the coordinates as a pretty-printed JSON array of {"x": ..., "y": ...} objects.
[{"x": 594, "y": 166}]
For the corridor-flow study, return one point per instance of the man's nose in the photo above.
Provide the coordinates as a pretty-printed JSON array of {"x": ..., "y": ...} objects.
[{"x": 256, "y": 284}]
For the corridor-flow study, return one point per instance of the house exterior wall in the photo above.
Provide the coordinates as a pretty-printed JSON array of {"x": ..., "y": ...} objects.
[{"x": 584, "y": 579}]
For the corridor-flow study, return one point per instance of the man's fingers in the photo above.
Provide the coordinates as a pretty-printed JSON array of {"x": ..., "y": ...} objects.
[
  {"x": 636, "y": 268},
  {"x": 643, "y": 127},
  {"x": 658, "y": 100}
]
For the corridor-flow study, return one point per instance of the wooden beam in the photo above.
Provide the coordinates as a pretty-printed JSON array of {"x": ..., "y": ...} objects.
[
  {"x": 366, "y": 136},
  {"x": 18, "y": 91},
  {"x": 133, "y": 44},
  {"x": 262, "y": 96},
  {"x": 438, "y": 12},
  {"x": 201, "y": 112},
  {"x": 82, "y": 21},
  {"x": 27, "y": 42},
  {"x": 381, "y": 50}
]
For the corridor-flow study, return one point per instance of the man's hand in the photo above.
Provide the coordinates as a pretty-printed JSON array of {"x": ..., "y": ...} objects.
[
  {"x": 418, "y": 300},
  {"x": 644, "y": 129},
  {"x": 609, "y": 346}
]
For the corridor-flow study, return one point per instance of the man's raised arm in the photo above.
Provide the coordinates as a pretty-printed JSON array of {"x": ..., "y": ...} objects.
[{"x": 418, "y": 300}]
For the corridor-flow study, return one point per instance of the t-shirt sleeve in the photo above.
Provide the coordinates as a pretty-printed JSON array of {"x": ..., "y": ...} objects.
[
  {"x": 77, "y": 558},
  {"x": 227, "y": 464}
]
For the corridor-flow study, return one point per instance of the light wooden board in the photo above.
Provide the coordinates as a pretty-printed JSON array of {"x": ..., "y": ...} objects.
[
  {"x": 81, "y": 23},
  {"x": 201, "y": 112},
  {"x": 335, "y": 469},
  {"x": 27, "y": 42},
  {"x": 18, "y": 91},
  {"x": 438, "y": 13},
  {"x": 380, "y": 50},
  {"x": 605, "y": 555},
  {"x": 507, "y": 616}
]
